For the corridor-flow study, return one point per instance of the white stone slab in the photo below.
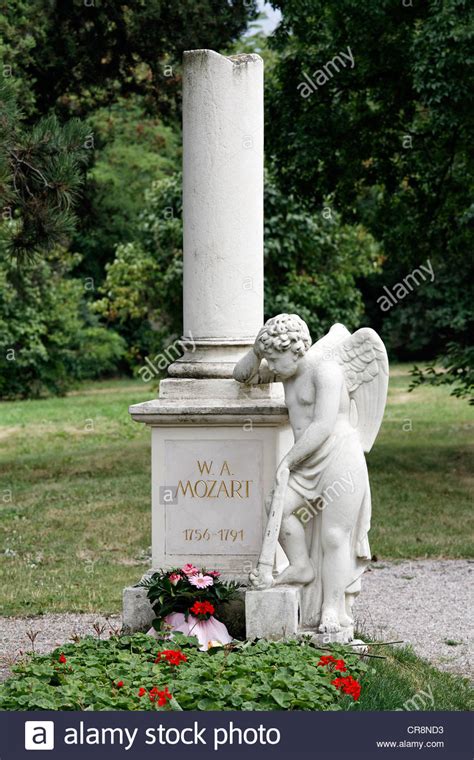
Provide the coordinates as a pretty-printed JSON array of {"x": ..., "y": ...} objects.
[
  {"x": 273, "y": 613},
  {"x": 230, "y": 513},
  {"x": 216, "y": 490}
]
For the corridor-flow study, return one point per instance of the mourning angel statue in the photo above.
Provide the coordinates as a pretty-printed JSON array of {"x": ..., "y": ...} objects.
[{"x": 335, "y": 392}]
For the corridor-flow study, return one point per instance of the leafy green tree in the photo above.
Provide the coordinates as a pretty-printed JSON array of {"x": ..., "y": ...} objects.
[
  {"x": 131, "y": 150},
  {"x": 89, "y": 52},
  {"x": 312, "y": 262},
  {"x": 49, "y": 338},
  {"x": 40, "y": 176},
  {"x": 388, "y": 131},
  {"x": 142, "y": 292}
]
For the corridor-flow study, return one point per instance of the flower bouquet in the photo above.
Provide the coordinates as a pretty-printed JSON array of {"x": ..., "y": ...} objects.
[{"x": 185, "y": 600}]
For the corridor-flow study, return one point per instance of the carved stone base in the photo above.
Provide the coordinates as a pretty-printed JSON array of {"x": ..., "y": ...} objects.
[
  {"x": 273, "y": 613},
  {"x": 344, "y": 636},
  {"x": 137, "y": 611}
]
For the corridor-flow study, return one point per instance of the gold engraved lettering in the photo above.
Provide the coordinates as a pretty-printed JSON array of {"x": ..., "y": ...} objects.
[
  {"x": 184, "y": 490},
  {"x": 210, "y": 488},
  {"x": 202, "y": 494},
  {"x": 205, "y": 466},
  {"x": 223, "y": 487}
]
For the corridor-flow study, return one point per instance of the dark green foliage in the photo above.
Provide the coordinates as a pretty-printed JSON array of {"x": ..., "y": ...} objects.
[
  {"x": 312, "y": 262},
  {"x": 88, "y": 53},
  {"x": 142, "y": 293},
  {"x": 391, "y": 138},
  {"x": 258, "y": 676},
  {"x": 250, "y": 676},
  {"x": 40, "y": 176},
  {"x": 48, "y": 337},
  {"x": 457, "y": 371},
  {"x": 131, "y": 150}
]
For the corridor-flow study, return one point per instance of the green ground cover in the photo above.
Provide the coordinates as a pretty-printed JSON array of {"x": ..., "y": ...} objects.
[
  {"x": 75, "y": 491},
  {"x": 120, "y": 673}
]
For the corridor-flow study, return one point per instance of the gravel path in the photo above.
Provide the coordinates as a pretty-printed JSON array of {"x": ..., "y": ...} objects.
[{"x": 427, "y": 603}]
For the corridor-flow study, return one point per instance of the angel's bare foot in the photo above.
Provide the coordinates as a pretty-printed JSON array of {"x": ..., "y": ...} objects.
[
  {"x": 261, "y": 578},
  {"x": 330, "y": 622},
  {"x": 303, "y": 573},
  {"x": 345, "y": 620}
]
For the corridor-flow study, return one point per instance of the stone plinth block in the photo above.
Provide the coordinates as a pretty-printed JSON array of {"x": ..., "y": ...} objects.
[
  {"x": 137, "y": 610},
  {"x": 273, "y": 613},
  {"x": 343, "y": 636}
]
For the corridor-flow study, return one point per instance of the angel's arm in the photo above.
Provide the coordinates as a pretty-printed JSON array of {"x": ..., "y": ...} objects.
[
  {"x": 252, "y": 369},
  {"x": 328, "y": 380}
]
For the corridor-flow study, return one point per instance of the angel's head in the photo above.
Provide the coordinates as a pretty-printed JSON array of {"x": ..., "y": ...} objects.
[{"x": 283, "y": 341}]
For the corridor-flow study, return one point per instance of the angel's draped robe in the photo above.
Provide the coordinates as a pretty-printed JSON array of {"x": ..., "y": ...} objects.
[{"x": 338, "y": 467}]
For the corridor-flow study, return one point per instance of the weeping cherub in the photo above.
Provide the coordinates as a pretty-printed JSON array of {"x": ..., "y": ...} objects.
[{"x": 335, "y": 392}]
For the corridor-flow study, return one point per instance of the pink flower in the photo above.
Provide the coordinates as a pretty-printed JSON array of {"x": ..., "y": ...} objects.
[
  {"x": 190, "y": 569},
  {"x": 174, "y": 578},
  {"x": 213, "y": 573},
  {"x": 201, "y": 581}
]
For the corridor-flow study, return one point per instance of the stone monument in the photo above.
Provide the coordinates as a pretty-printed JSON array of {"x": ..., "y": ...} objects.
[
  {"x": 220, "y": 426},
  {"x": 215, "y": 443},
  {"x": 335, "y": 391}
]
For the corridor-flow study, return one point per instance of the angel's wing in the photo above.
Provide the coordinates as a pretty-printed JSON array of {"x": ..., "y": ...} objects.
[{"x": 365, "y": 364}]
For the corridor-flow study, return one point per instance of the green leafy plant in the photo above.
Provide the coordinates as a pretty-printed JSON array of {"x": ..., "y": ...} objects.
[{"x": 122, "y": 673}]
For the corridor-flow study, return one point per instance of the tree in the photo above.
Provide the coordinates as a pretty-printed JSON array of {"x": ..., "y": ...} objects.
[
  {"x": 40, "y": 176},
  {"x": 387, "y": 129},
  {"x": 89, "y": 52},
  {"x": 49, "y": 338},
  {"x": 312, "y": 262}
]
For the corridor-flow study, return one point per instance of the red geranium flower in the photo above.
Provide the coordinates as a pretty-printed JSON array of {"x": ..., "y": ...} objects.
[
  {"x": 141, "y": 691},
  {"x": 348, "y": 685},
  {"x": 331, "y": 662},
  {"x": 162, "y": 697},
  {"x": 326, "y": 659},
  {"x": 172, "y": 656},
  {"x": 62, "y": 658},
  {"x": 119, "y": 684},
  {"x": 202, "y": 609}
]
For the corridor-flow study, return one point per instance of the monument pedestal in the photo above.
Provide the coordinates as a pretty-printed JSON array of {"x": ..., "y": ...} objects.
[{"x": 215, "y": 448}]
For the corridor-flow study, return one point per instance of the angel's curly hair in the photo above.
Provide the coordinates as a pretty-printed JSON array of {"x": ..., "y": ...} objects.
[{"x": 283, "y": 332}]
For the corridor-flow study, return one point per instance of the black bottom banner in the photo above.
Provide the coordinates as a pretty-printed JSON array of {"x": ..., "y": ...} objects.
[{"x": 288, "y": 735}]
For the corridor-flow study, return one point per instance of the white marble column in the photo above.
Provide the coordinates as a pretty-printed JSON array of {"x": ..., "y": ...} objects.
[{"x": 223, "y": 210}]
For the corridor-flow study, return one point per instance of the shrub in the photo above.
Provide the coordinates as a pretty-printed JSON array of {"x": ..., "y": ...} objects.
[{"x": 48, "y": 337}]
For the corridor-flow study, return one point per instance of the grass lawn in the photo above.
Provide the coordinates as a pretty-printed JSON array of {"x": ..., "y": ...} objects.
[{"x": 75, "y": 491}]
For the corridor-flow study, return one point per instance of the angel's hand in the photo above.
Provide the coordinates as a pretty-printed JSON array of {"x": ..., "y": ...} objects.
[{"x": 262, "y": 577}]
